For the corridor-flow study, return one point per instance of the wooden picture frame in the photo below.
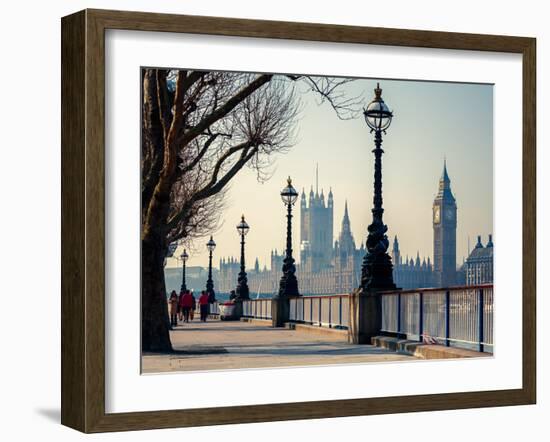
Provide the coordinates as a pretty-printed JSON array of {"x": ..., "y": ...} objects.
[{"x": 83, "y": 220}]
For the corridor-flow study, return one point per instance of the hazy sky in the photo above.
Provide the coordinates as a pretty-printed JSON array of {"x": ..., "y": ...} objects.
[{"x": 431, "y": 121}]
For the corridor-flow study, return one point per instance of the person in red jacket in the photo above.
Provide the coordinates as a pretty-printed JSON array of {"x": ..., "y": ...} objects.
[
  {"x": 193, "y": 307},
  {"x": 186, "y": 305},
  {"x": 180, "y": 305},
  {"x": 203, "y": 303}
]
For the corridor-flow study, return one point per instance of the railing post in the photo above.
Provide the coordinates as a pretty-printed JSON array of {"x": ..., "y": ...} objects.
[
  {"x": 481, "y": 307},
  {"x": 330, "y": 312},
  {"x": 311, "y": 310},
  {"x": 421, "y": 316},
  {"x": 340, "y": 311},
  {"x": 320, "y": 311},
  {"x": 447, "y": 318},
  {"x": 398, "y": 315}
]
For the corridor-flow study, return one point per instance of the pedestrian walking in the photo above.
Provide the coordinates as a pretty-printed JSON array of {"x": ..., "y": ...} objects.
[
  {"x": 193, "y": 307},
  {"x": 203, "y": 303},
  {"x": 173, "y": 308},
  {"x": 180, "y": 305},
  {"x": 187, "y": 304}
]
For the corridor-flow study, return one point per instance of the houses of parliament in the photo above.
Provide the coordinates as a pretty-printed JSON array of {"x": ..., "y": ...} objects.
[{"x": 330, "y": 266}]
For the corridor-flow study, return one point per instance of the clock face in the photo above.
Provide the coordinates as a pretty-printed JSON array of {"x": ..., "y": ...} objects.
[{"x": 437, "y": 214}]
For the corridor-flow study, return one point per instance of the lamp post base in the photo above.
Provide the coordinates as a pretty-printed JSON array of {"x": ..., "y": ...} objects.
[
  {"x": 366, "y": 301},
  {"x": 288, "y": 286},
  {"x": 377, "y": 272},
  {"x": 211, "y": 295},
  {"x": 242, "y": 292},
  {"x": 365, "y": 316},
  {"x": 280, "y": 311}
]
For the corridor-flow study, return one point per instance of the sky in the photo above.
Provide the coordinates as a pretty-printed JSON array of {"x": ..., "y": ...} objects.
[{"x": 432, "y": 121}]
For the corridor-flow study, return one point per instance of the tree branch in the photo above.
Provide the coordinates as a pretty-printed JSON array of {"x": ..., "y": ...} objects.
[
  {"x": 242, "y": 146},
  {"x": 164, "y": 102},
  {"x": 199, "y": 156},
  {"x": 222, "y": 111},
  {"x": 214, "y": 186},
  {"x": 159, "y": 204}
]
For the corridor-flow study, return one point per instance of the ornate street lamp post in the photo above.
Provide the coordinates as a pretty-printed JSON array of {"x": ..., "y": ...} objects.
[
  {"x": 210, "y": 245},
  {"x": 183, "y": 258},
  {"x": 242, "y": 290},
  {"x": 289, "y": 284},
  {"x": 377, "y": 269}
]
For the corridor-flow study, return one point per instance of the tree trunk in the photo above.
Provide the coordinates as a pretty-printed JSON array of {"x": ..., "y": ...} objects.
[{"x": 155, "y": 335}]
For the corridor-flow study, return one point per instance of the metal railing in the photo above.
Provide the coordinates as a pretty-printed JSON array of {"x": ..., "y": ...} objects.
[
  {"x": 257, "y": 308},
  {"x": 325, "y": 311},
  {"x": 213, "y": 309},
  {"x": 455, "y": 316}
]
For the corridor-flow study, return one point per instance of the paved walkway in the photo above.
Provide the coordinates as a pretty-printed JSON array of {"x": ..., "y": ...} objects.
[{"x": 219, "y": 345}]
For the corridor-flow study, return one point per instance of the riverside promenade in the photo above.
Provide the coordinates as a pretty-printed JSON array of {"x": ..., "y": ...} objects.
[{"x": 225, "y": 345}]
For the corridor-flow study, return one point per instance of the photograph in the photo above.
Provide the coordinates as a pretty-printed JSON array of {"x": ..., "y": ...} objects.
[
  {"x": 271, "y": 222},
  {"x": 296, "y": 220}
]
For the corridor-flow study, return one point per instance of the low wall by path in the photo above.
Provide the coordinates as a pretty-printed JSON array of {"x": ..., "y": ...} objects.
[
  {"x": 257, "y": 321},
  {"x": 306, "y": 328},
  {"x": 317, "y": 330},
  {"x": 425, "y": 351}
]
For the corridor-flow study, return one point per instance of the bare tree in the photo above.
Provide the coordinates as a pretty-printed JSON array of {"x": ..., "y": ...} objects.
[{"x": 199, "y": 130}]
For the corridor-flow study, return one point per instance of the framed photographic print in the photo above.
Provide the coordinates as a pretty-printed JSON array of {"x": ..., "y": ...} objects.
[{"x": 292, "y": 220}]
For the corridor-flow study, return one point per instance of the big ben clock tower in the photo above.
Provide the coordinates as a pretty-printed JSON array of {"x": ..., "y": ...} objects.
[{"x": 444, "y": 222}]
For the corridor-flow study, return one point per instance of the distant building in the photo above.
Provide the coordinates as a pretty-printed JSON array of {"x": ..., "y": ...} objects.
[
  {"x": 316, "y": 229},
  {"x": 478, "y": 268},
  {"x": 444, "y": 227},
  {"x": 347, "y": 257},
  {"x": 195, "y": 278},
  {"x": 416, "y": 273},
  {"x": 411, "y": 273},
  {"x": 324, "y": 267},
  {"x": 327, "y": 266}
]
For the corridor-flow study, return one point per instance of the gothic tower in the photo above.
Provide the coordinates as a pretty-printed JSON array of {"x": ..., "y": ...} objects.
[
  {"x": 346, "y": 243},
  {"x": 396, "y": 254},
  {"x": 316, "y": 228},
  {"x": 444, "y": 225},
  {"x": 330, "y": 219},
  {"x": 304, "y": 221}
]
